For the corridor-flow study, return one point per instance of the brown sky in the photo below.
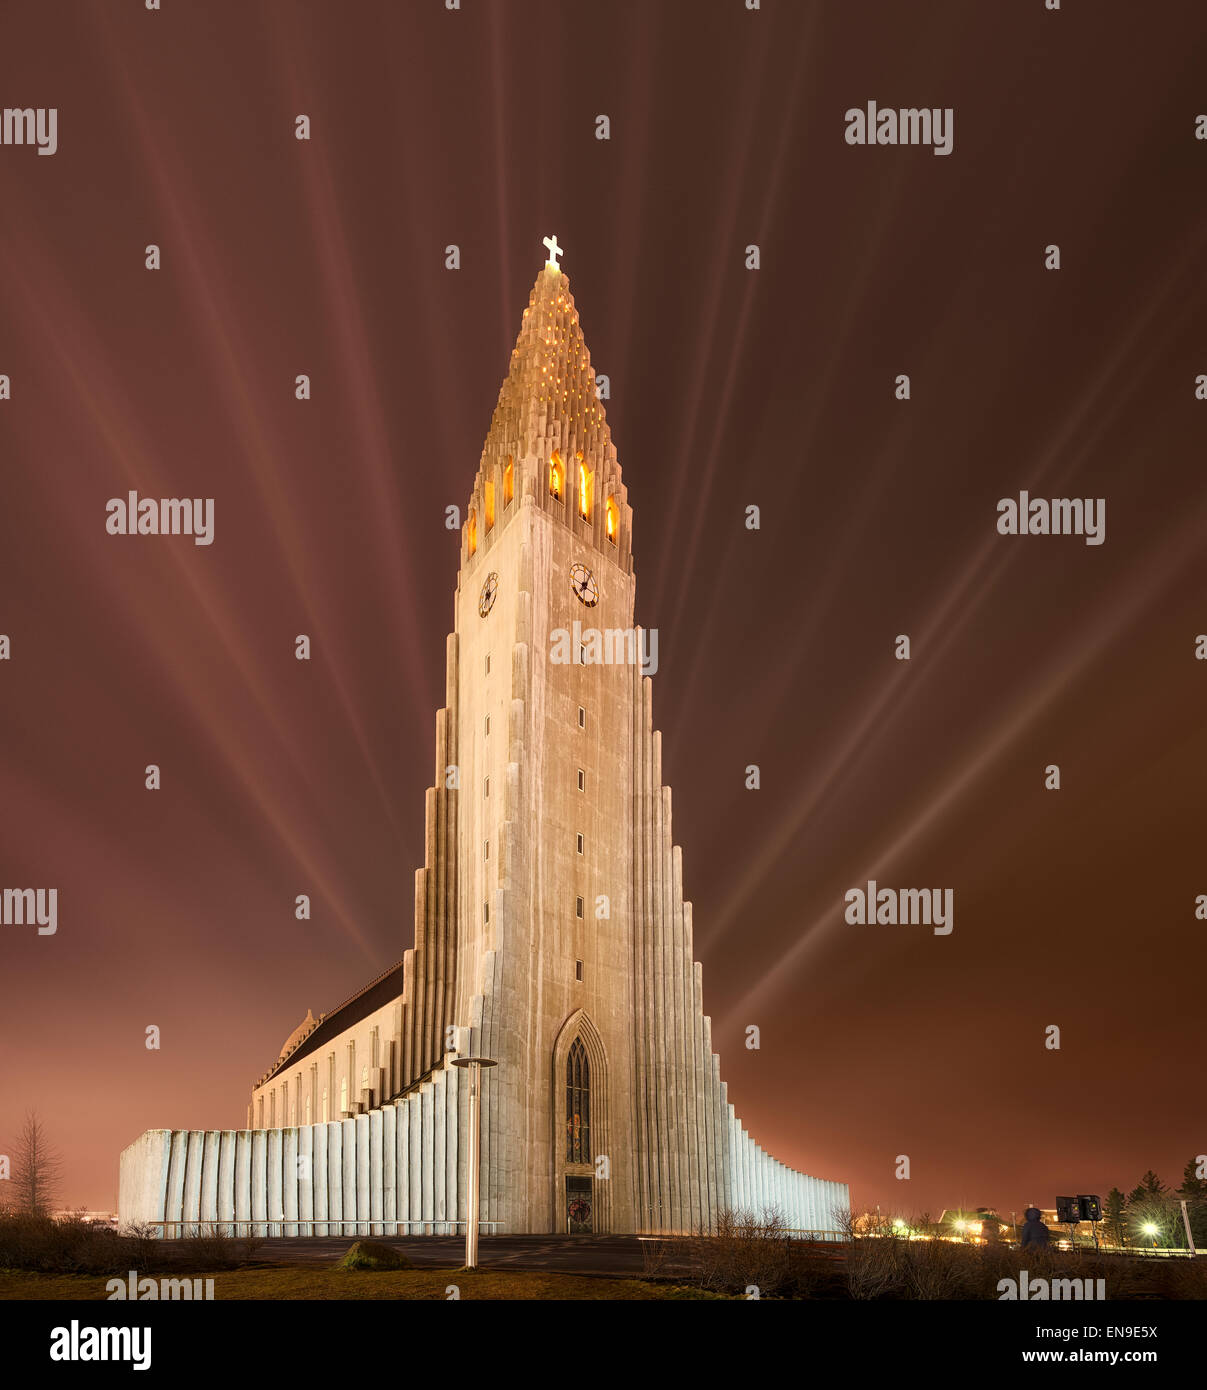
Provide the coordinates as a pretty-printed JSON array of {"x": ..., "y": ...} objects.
[{"x": 729, "y": 387}]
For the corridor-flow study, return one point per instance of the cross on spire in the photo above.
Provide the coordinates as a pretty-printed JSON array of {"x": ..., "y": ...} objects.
[{"x": 554, "y": 251}]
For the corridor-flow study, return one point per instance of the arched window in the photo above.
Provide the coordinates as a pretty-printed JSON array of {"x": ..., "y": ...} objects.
[
  {"x": 613, "y": 519},
  {"x": 586, "y": 489},
  {"x": 471, "y": 531},
  {"x": 508, "y": 481},
  {"x": 578, "y": 1104},
  {"x": 557, "y": 476}
]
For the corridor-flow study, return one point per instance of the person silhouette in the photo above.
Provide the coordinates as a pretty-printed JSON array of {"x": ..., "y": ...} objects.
[{"x": 1034, "y": 1230}]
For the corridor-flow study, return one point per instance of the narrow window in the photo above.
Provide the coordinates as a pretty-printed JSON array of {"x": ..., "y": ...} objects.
[
  {"x": 582, "y": 780},
  {"x": 556, "y": 476},
  {"x": 488, "y": 663},
  {"x": 488, "y": 503},
  {"x": 580, "y": 844},
  {"x": 485, "y": 912},
  {"x": 613, "y": 519},
  {"x": 485, "y": 849},
  {"x": 343, "y": 1095},
  {"x": 508, "y": 480},
  {"x": 486, "y": 787},
  {"x": 487, "y": 726},
  {"x": 586, "y": 486},
  {"x": 578, "y": 1097},
  {"x": 471, "y": 532},
  {"x": 578, "y": 907},
  {"x": 578, "y": 969},
  {"x": 582, "y": 717}
]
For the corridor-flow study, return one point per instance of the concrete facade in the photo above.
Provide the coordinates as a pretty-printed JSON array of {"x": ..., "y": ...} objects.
[{"x": 551, "y": 930}]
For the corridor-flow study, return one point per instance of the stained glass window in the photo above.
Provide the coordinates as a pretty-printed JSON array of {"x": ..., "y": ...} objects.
[{"x": 578, "y": 1105}]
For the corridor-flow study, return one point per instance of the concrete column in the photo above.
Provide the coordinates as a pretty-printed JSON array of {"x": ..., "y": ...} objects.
[
  {"x": 427, "y": 1137},
  {"x": 289, "y": 1180},
  {"x": 389, "y": 1168},
  {"x": 335, "y": 1176},
  {"x": 353, "y": 1211},
  {"x": 415, "y": 1156},
  {"x": 439, "y": 1153},
  {"x": 402, "y": 1161},
  {"x": 451, "y": 1145},
  {"x": 226, "y": 1178},
  {"x": 242, "y": 1183},
  {"x": 273, "y": 1196},
  {"x": 306, "y": 1178},
  {"x": 211, "y": 1140},
  {"x": 376, "y": 1168},
  {"x": 259, "y": 1179}
]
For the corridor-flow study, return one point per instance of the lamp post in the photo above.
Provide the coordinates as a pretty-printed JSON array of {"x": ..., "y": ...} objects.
[{"x": 474, "y": 1164}]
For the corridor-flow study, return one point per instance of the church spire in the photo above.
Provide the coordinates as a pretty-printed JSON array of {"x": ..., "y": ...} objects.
[{"x": 549, "y": 435}]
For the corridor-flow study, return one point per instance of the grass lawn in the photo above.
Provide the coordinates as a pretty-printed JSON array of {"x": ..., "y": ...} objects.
[{"x": 282, "y": 1281}]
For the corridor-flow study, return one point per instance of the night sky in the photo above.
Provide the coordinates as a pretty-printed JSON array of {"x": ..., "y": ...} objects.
[{"x": 730, "y": 387}]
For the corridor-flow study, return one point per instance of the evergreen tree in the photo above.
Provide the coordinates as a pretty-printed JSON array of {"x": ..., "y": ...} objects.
[
  {"x": 1114, "y": 1214},
  {"x": 1148, "y": 1204}
]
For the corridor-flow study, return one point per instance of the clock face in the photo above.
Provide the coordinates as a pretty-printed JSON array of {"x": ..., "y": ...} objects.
[
  {"x": 489, "y": 590},
  {"x": 582, "y": 581}
]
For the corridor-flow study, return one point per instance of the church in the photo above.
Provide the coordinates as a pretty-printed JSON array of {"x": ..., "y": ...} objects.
[{"x": 551, "y": 931}]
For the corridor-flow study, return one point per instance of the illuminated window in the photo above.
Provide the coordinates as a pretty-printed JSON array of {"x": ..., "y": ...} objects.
[
  {"x": 578, "y": 1097},
  {"x": 586, "y": 489},
  {"x": 557, "y": 476},
  {"x": 508, "y": 481},
  {"x": 612, "y": 518},
  {"x": 471, "y": 531},
  {"x": 488, "y": 499}
]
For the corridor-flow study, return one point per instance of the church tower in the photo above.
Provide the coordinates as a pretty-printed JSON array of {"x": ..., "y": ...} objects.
[
  {"x": 575, "y": 953},
  {"x": 551, "y": 933}
]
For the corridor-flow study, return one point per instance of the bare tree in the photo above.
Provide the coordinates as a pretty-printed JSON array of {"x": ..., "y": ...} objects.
[{"x": 37, "y": 1169}]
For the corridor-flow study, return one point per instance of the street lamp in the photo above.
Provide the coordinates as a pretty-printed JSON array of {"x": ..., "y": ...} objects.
[{"x": 474, "y": 1165}]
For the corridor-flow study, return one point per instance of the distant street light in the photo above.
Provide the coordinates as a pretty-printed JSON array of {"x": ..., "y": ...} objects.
[{"x": 474, "y": 1165}]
